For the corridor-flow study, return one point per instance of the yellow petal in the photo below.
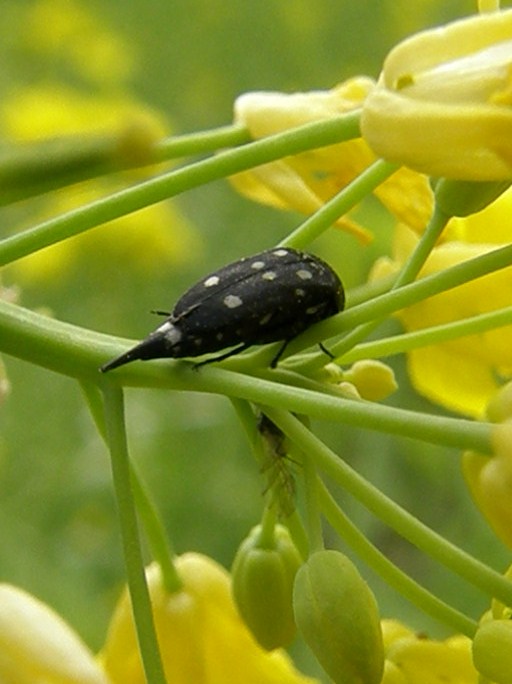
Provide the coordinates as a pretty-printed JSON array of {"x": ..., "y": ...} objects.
[
  {"x": 461, "y": 374},
  {"x": 38, "y": 647},
  {"x": 442, "y": 105},
  {"x": 202, "y": 638},
  {"x": 304, "y": 182},
  {"x": 423, "y": 661}
]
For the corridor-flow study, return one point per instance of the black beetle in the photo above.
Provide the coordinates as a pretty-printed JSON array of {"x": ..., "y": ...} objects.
[{"x": 268, "y": 297}]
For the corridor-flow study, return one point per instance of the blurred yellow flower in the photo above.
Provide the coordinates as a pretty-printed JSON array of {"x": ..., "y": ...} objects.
[
  {"x": 156, "y": 235},
  {"x": 69, "y": 30},
  {"x": 140, "y": 241},
  {"x": 414, "y": 659},
  {"x": 68, "y": 33},
  {"x": 52, "y": 109},
  {"x": 443, "y": 103},
  {"x": 306, "y": 181},
  {"x": 202, "y": 638},
  {"x": 462, "y": 374},
  {"x": 36, "y": 645}
]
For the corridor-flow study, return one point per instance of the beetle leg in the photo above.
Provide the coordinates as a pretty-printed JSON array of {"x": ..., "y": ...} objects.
[
  {"x": 326, "y": 351},
  {"x": 157, "y": 312},
  {"x": 276, "y": 358},
  {"x": 221, "y": 357}
]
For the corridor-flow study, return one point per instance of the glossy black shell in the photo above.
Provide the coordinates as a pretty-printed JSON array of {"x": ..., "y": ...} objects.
[{"x": 268, "y": 297}]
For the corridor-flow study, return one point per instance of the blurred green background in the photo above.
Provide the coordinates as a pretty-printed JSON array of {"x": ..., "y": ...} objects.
[{"x": 190, "y": 60}]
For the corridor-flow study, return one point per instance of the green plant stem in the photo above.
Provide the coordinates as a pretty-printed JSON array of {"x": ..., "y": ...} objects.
[
  {"x": 310, "y": 136},
  {"x": 201, "y": 142},
  {"x": 78, "y": 353},
  {"x": 141, "y": 603},
  {"x": 396, "y": 578},
  {"x": 390, "y": 513},
  {"x": 421, "y": 252},
  {"x": 154, "y": 529},
  {"x": 475, "y": 325},
  {"x": 153, "y": 526},
  {"x": 395, "y": 300},
  {"x": 409, "y": 271},
  {"x": 314, "y": 519},
  {"x": 30, "y": 169},
  {"x": 293, "y": 521},
  {"x": 297, "y": 532},
  {"x": 267, "y": 538},
  {"x": 247, "y": 418},
  {"x": 340, "y": 204}
]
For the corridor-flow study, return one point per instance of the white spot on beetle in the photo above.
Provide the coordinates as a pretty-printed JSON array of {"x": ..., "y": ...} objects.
[
  {"x": 269, "y": 275},
  {"x": 219, "y": 336},
  {"x": 304, "y": 275},
  {"x": 258, "y": 265},
  {"x": 171, "y": 333},
  {"x": 232, "y": 301},
  {"x": 265, "y": 319},
  {"x": 211, "y": 281},
  {"x": 299, "y": 292},
  {"x": 313, "y": 309},
  {"x": 280, "y": 252}
]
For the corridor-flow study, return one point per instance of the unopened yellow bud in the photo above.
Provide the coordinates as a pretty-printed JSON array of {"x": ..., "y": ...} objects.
[
  {"x": 498, "y": 609},
  {"x": 463, "y": 198},
  {"x": 338, "y": 617},
  {"x": 263, "y": 585},
  {"x": 373, "y": 380},
  {"x": 492, "y": 651},
  {"x": 489, "y": 479}
]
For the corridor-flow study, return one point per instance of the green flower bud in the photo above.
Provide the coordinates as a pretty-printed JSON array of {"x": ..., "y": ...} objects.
[
  {"x": 338, "y": 618},
  {"x": 263, "y": 586},
  {"x": 492, "y": 651},
  {"x": 462, "y": 198}
]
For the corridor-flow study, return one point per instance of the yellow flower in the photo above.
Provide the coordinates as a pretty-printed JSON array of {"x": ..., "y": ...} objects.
[
  {"x": 461, "y": 374},
  {"x": 443, "y": 103},
  {"x": 202, "y": 638},
  {"x": 37, "y": 646},
  {"x": 306, "y": 181},
  {"x": 69, "y": 30},
  {"x": 159, "y": 234},
  {"x": 412, "y": 659},
  {"x": 491, "y": 226},
  {"x": 53, "y": 109}
]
